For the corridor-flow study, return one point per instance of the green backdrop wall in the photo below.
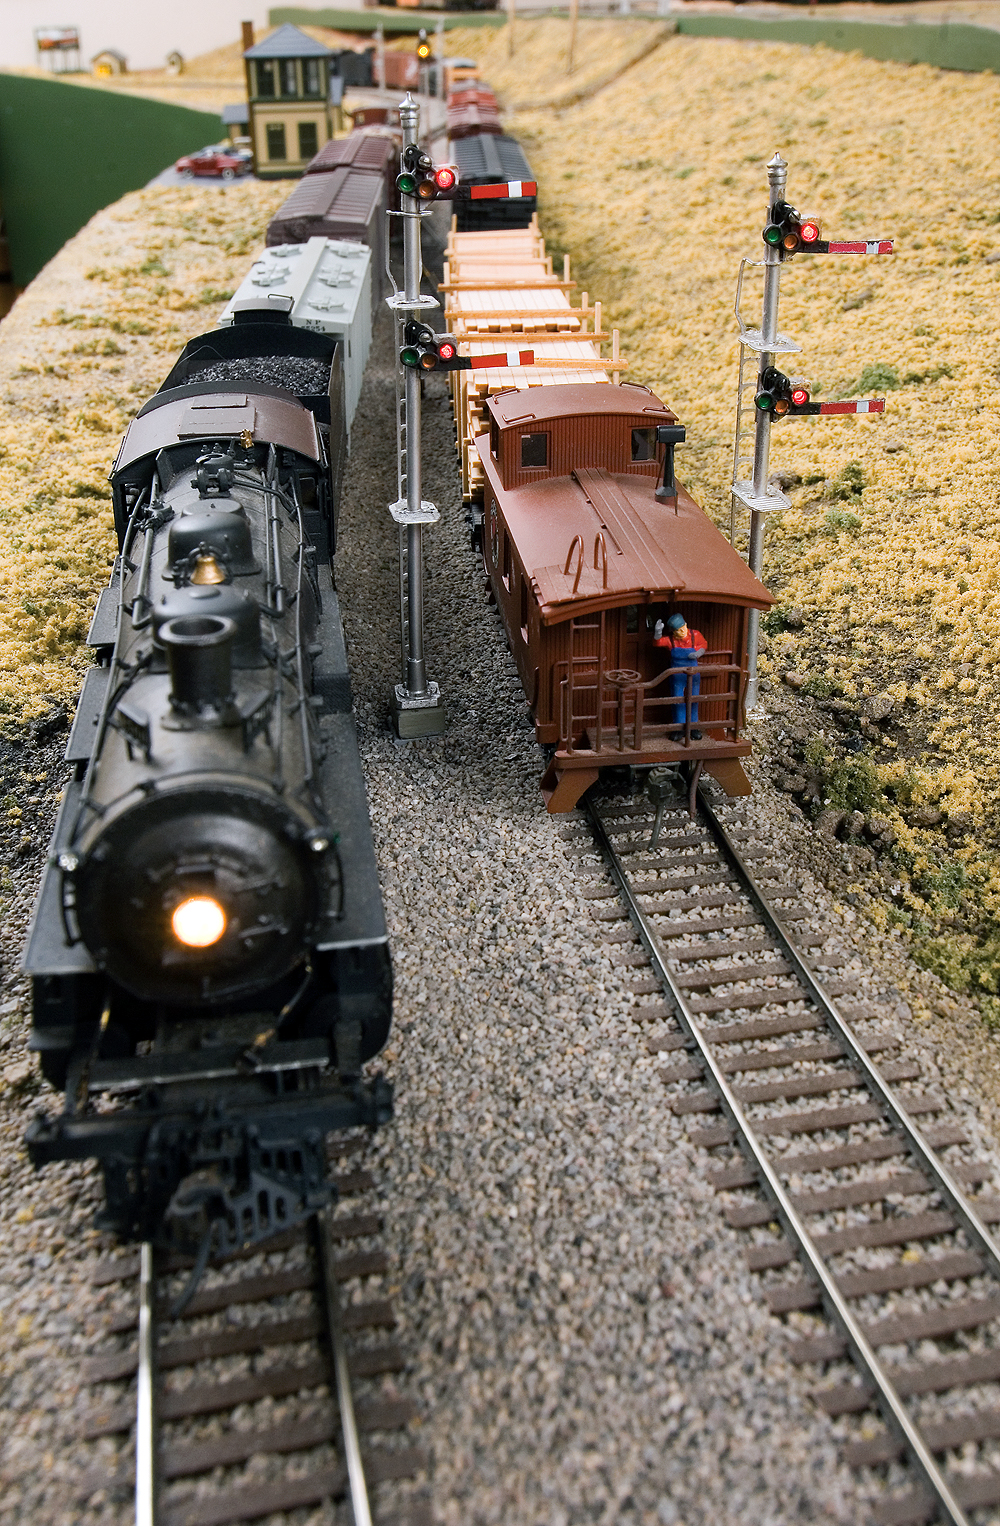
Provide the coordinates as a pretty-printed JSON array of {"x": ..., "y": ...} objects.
[
  {"x": 947, "y": 45},
  {"x": 68, "y": 150}
]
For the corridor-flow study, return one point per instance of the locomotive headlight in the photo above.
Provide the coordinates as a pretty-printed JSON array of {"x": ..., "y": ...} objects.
[{"x": 198, "y": 922}]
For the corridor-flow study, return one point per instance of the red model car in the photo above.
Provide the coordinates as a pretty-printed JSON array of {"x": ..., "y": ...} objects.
[{"x": 216, "y": 160}]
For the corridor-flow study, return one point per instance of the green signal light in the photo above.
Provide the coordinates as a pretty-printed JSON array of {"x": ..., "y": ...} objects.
[
  {"x": 407, "y": 184},
  {"x": 764, "y": 401},
  {"x": 410, "y": 356},
  {"x": 772, "y": 234}
]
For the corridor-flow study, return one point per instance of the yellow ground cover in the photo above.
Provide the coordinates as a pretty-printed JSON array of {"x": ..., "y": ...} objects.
[
  {"x": 657, "y": 186},
  {"x": 82, "y": 350},
  {"x": 537, "y": 73}
]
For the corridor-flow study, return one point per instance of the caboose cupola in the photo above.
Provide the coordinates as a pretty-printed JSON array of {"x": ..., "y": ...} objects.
[{"x": 549, "y": 431}]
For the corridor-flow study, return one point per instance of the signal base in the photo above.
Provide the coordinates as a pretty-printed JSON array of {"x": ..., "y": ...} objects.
[{"x": 418, "y": 715}]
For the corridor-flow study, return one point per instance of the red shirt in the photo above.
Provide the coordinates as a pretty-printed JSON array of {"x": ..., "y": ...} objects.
[{"x": 695, "y": 640}]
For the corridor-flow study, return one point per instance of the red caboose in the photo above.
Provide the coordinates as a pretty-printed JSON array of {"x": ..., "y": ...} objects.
[{"x": 584, "y": 561}]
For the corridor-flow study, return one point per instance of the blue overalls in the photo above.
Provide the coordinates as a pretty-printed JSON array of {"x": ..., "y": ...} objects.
[{"x": 686, "y": 657}]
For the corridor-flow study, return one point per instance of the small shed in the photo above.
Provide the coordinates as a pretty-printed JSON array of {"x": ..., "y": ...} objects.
[
  {"x": 236, "y": 120},
  {"x": 109, "y": 62},
  {"x": 288, "y": 91}
]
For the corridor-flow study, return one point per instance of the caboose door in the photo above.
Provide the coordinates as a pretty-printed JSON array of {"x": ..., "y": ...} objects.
[{"x": 628, "y": 653}]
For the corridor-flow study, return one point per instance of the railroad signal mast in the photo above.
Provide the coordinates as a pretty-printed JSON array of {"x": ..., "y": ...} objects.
[
  {"x": 776, "y": 395},
  {"x": 425, "y": 54},
  {"x": 417, "y": 706}
]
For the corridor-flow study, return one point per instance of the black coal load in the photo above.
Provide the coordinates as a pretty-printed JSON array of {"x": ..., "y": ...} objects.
[{"x": 300, "y": 374}]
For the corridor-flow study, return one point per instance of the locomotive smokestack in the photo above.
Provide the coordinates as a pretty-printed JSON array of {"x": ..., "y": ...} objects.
[{"x": 200, "y": 657}]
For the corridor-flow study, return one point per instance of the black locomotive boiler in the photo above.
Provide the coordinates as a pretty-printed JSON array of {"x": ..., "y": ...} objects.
[{"x": 209, "y": 958}]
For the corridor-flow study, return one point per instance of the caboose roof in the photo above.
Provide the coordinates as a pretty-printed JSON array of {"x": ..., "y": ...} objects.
[
  {"x": 535, "y": 404},
  {"x": 652, "y": 552}
]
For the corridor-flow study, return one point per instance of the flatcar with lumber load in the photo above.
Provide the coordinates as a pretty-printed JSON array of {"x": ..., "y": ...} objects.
[{"x": 500, "y": 286}]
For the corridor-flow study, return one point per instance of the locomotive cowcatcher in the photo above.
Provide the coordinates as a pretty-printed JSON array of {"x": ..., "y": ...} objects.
[{"x": 591, "y": 546}]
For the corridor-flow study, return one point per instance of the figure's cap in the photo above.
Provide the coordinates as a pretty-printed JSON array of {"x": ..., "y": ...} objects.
[{"x": 676, "y": 623}]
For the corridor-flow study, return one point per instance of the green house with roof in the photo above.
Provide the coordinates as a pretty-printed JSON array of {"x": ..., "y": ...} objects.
[{"x": 288, "y": 92}]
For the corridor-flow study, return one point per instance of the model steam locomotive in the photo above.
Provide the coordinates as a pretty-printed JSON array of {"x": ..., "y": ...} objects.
[{"x": 209, "y": 956}]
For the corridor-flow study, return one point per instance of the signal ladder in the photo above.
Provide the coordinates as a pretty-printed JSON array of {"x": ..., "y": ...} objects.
[
  {"x": 401, "y": 444},
  {"x": 747, "y": 415}
]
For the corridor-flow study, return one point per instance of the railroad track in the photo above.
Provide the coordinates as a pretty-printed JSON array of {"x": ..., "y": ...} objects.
[
  {"x": 245, "y": 1405},
  {"x": 856, "y": 1184}
]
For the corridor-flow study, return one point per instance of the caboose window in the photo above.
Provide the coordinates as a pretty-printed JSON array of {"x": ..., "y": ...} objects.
[
  {"x": 644, "y": 445},
  {"x": 632, "y": 620},
  {"x": 506, "y": 559},
  {"x": 494, "y": 439},
  {"x": 535, "y": 449},
  {"x": 276, "y": 141}
]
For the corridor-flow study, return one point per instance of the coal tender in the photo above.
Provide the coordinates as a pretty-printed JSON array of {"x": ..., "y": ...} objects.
[{"x": 208, "y": 956}]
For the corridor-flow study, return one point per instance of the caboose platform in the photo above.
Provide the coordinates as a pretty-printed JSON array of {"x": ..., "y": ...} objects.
[{"x": 571, "y": 773}]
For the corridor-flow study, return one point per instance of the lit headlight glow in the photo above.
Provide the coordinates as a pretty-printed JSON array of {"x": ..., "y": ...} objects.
[{"x": 198, "y": 922}]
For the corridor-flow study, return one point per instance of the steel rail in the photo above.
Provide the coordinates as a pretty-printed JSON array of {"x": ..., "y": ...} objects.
[
  {"x": 888, "y": 1398},
  {"x": 345, "y": 1401},
  {"x": 929, "y": 1161},
  {"x": 145, "y": 1413}
]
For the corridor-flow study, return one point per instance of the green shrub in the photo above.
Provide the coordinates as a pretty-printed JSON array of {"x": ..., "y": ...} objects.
[
  {"x": 880, "y": 377},
  {"x": 849, "y": 483}
]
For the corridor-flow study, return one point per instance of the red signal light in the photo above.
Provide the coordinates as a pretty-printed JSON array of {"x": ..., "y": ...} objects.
[
  {"x": 800, "y": 396},
  {"x": 446, "y": 350},
  {"x": 809, "y": 231},
  {"x": 444, "y": 177}
]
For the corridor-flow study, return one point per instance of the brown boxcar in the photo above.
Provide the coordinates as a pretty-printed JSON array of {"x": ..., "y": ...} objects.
[
  {"x": 371, "y": 149},
  {"x": 341, "y": 203},
  {"x": 583, "y": 561}
]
